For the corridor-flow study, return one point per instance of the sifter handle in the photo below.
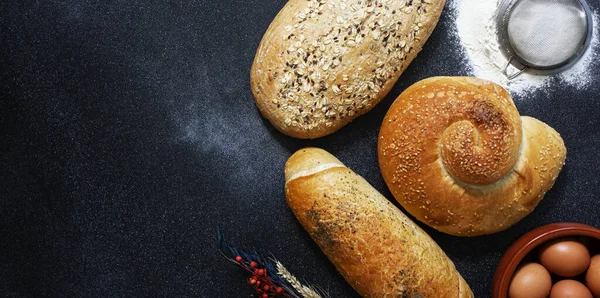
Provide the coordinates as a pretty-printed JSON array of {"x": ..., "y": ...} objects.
[{"x": 515, "y": 74}]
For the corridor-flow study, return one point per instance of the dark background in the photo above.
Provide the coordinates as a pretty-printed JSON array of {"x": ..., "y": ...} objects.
[{"x": 129, "y": 136}]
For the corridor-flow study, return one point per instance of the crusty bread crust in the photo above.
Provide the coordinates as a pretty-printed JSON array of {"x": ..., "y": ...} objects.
[
  {"x": 322, "y": 63},
  {"x": 378, "y": 249},
  {"x": 456, "y": 154}
]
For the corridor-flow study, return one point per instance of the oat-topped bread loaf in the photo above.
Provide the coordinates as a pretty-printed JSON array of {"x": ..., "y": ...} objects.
[
  {"x": 457, "y": 156},
  {"x": 322, "y": 63}
]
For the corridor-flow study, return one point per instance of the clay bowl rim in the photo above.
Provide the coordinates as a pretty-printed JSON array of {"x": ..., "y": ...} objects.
[{"x": 528, "y": 242}]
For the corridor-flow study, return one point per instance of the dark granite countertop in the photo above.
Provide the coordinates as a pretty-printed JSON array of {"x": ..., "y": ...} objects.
[{"x": 129, "y": 136}]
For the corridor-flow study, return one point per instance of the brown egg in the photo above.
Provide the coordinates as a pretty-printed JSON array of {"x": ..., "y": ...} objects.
[
  {"x": 569, "y": 288},
  {"x": 531, "y": 280},
  {"x": 566, "y": 258},
  {"x": 592, "y": 276}
]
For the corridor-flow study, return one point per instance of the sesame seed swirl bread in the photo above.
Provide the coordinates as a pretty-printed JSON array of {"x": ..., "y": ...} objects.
[
  {"x": 322, "y": 63},
  {"x": 457, "y": 156},
  {"x": 377, "y": 249}
]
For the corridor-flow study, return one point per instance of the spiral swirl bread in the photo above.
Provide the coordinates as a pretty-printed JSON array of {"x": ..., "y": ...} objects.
[{"x": 456, "y": 155}]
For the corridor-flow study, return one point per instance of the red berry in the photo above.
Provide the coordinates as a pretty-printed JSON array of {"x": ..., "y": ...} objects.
[
  {"x": 252, "y": 280},
  {"x": 258, "y": 282},
  {"x": 279, "y": 290},
  {"x": 260, "y": 271},
  {"x": 252, "y": 264},
  {"x": 238, "y": 259},
  {"x": 266, "y": 288},
  {"x": 265, "y": 295}
]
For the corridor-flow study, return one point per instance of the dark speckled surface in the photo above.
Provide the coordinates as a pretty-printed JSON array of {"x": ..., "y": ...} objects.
[{"x": 128, "y": 136}]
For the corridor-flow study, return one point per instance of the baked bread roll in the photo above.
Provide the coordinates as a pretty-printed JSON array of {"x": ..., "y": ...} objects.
[
  {"x": 457, "y": 156},
  {"x": 322, "y": 63},
  {"x": 377, "y": 248}
]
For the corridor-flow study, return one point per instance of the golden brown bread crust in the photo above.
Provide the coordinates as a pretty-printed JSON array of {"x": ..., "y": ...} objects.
[
  {"x": 377, "y": 248},
  {"x": 456, "y": 155},
  {"x": 322, "y": 63}
]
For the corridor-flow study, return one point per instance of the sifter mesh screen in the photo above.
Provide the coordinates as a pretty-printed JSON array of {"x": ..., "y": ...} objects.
[{"x": 546, "y": 33}]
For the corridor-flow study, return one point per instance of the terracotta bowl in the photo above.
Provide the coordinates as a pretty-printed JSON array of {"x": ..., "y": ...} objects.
[{"x": 522, "y": 247}]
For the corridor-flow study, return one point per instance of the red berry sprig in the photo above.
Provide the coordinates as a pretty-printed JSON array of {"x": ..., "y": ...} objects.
[{"x": 263, "y": 285}]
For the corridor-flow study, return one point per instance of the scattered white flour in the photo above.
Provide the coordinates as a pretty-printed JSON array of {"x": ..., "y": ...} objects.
[{"x": 476, "y": 29}]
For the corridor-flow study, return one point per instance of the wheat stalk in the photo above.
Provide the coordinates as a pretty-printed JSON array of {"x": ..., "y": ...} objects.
[{"x": 305, "y": 291}]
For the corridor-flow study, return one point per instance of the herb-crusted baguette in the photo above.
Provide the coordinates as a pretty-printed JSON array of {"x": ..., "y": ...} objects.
[
  {"x": 378, "y": 249},
  {"x": 322, "y": 63}
]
